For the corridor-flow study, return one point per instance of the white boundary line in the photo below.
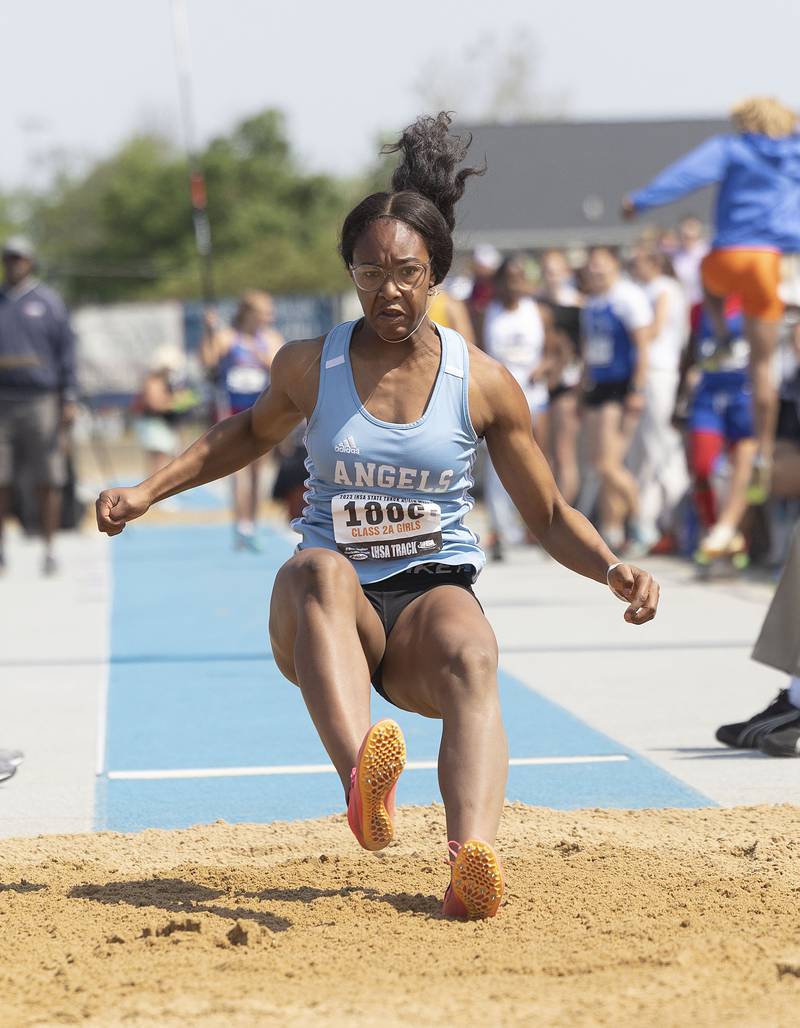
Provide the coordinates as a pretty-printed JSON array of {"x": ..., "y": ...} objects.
[
  {"x": 318, "y": 769},
  {"x": 102, "y": 720},
  {"x": 104, "y": 670}
]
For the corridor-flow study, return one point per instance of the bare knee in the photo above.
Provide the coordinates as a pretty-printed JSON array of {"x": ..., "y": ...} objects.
[
  {"x": 316, "y": 575},
  {"x": 467, "y": 675},
  {"x": 320, "y": 574}
]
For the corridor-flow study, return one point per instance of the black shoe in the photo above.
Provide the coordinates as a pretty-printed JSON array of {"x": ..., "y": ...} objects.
[
  {"x": 747, "y": 735},
  {"x": 785, "y": 742},
  {"x": 10, "y": 760}
]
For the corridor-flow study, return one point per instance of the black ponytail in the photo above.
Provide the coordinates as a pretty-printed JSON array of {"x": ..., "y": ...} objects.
[
  {"x": 428, "y": 166},
  {"x": 425, "y": 190}
]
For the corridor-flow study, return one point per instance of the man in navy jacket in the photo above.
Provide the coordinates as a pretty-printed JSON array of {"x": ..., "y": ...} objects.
[{"x": 37, "y": 389}]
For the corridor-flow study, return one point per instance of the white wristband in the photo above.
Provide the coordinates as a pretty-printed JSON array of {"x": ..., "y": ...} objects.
[
  {"x": 610, "y": 568},
  {"x": 608, "y": 582}
]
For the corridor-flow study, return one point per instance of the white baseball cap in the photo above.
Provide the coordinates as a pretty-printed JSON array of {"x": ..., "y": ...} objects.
[
  {"x": 168, "y": 358},
  {"x": 19, "y": 246},
  {"x": 487, "y": 256}
]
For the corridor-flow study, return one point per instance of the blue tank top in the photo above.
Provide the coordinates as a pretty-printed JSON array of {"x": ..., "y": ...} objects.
[
  {"x": 608, "y": 322},
  {"x": 242, "y": 373},
  {"x": 389, "y": 496}
]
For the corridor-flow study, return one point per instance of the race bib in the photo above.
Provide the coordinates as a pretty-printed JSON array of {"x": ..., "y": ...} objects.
[
  {"x": 370, "y": 526},
  {"x": 599, "y": 351},
  {"x": 246, "y": 380},
  {"x": 571, "y": 375}
]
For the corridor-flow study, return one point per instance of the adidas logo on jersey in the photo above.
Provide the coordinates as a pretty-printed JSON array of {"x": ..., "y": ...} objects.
[{"x": 347, "y": 445}]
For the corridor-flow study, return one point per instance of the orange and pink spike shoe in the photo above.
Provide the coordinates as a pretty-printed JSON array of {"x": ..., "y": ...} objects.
[
  {"x": 373, "y": 783},
  {"x": 476, "y": 882}
]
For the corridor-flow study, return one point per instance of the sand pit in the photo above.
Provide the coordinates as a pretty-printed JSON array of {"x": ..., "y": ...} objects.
[{"x": 611, "y": 918}]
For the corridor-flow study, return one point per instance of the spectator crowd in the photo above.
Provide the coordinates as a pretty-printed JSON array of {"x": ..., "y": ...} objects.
[
  {"x": 651, "y": 374},
  {"x": 645, "y": 416},
  {"x": 662, "y": 380}
]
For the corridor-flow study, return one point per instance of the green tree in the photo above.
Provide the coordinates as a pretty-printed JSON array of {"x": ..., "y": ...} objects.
[
  {"x": 12, "y": 219},
  {"x": 123, "y": 230},
  {"x": 113, "y": 232},
  {"x": 272, "y": 225}
]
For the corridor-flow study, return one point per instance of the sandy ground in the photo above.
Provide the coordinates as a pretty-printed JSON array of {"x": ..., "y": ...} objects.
[{"x": 611, "y": 918}]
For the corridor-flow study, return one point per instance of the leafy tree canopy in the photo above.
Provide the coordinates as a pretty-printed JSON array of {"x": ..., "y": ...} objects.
[{"x": 122, "y": 229}]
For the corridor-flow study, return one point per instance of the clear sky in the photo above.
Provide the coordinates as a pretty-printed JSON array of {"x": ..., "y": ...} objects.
[{"x": 84, "y": 74}]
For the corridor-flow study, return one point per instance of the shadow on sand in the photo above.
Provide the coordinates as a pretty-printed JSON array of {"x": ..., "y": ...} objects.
[{"x": 181, "y": 897}]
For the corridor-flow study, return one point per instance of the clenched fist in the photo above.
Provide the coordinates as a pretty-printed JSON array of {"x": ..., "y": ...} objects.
[
  {"x": 638, "y": 589},
  {"x": 116, "y": 507}
]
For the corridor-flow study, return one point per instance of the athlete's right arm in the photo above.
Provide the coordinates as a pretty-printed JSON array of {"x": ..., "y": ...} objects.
[
  {"x": 215, "y": 342},
  {"x": 228, "y": 446},
  {"x": 703, "y": 166}
]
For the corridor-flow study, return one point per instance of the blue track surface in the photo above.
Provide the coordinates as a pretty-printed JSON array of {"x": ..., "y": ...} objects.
[{"x": 192, "y": 685}]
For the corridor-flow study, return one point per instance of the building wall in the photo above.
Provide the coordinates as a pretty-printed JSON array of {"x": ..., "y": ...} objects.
[{"x": 561, "y": 183}]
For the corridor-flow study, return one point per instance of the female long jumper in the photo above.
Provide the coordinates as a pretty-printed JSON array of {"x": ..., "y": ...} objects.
[{"x": 379, "y": 589}]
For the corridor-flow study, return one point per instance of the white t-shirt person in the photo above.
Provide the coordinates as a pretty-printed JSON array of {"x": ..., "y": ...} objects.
[
  {"x": 665, "y": 349},
  {"x": 515, "y": 338}
]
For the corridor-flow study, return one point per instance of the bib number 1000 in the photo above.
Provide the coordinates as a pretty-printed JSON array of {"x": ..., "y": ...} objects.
[{"x": 375, "y": 513}]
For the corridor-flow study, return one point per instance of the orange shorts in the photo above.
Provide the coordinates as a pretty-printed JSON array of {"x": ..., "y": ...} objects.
[{"x": 752, "y": 275}]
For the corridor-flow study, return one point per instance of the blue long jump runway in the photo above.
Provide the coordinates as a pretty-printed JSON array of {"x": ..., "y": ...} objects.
[{"x": 201, "y": 725}]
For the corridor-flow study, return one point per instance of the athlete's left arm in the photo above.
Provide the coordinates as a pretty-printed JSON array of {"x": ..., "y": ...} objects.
[
  {"x": 641, "y": 340},
  {"x": 500, "y": 413},
  {"x": 661, "y": 310},
  {"x": 637, "y": 315},
  {"x": 545, "y": 366},
  {"x": 555, "y": 347},
  {"x": 274, "y": 342}
]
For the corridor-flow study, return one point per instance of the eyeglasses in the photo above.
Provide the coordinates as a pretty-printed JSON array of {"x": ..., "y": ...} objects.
[{"x": 370, "y": 277}]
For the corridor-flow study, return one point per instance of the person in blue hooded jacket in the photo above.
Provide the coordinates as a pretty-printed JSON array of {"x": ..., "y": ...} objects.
[{"x": 757, "y": 219}]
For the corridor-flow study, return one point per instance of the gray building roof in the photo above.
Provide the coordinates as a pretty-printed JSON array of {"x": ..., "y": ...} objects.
[{"x": 560, "y": 183}]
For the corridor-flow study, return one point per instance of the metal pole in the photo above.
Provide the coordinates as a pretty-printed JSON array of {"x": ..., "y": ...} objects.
[{"x": 197, "y": 185}]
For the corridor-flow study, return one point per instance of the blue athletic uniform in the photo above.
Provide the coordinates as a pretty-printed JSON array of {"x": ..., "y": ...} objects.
[
  {"x": 758, "y": 202},
  {"x": 723, "y": 401},
  {"x": 608, "y": 322},
  {"x": 243, "y": 374},
  {"x": 391, "y": 497}
]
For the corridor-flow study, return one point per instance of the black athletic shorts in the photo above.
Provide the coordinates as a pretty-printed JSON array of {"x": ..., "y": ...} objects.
[
  {"x": 391, "y": 596},
  {"x": 560, "y": 390},
  {"x": 789, "y": 421},
  {"x": 607, "y": 392}
]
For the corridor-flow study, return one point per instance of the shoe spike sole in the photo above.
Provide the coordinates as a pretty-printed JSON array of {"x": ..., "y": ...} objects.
[
  {"x": 382, "y": 761},
  {"x": 477, "y": 879}
]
